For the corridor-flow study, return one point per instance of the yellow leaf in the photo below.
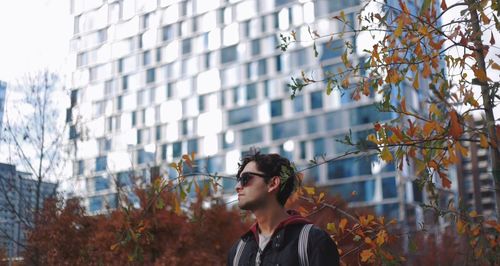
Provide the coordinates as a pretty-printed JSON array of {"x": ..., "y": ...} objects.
[
  {"x": 460, "y": 226},
  {"x": 310, "y": 190},
  {"x": 416, "y": 84},
  {"x": 433, "y": 109},
  {"x": 473, "y": 214},
  {"x": 368, "y": 240},
  {"x": 461, "y": 149},
  {"x": 480, "y": 74},
  {"x": 372, "y": 138},
  {"x": 399, "y": 29},
  {"x": 495, "y": 66},
  {"x": 426, "y": 72},
  {"x": 381, "y": 236},
  {"x": 386, "y": 155},
  {"x": 342, "y": 224},
  {"x": 331, "y": 227},
  {"x": 366, "y": 255},
  {"x": 428, "y": 128},
  {"x": 484, "y": 141}
]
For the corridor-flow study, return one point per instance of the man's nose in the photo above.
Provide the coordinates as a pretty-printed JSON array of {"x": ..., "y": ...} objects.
[{"x": 238, "y": 187}]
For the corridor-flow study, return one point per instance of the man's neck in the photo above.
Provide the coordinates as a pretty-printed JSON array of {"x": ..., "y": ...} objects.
[{"x": 269, "y": 218}]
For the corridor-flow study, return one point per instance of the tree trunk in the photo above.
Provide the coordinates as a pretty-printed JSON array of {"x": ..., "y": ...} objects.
[{"x": 487, "y": 102}]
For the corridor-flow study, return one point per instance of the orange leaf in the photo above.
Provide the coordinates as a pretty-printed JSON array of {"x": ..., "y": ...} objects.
[
  {"x": 483, "y": 141},
  {"x": 480, "y": 74},
  {"x": 460, "y": 226},
  {"x": 473, "y": 214},
  {"x": 342, "y": 224},
  {"x": 445, "y": 181},
  {"x": 415, "y": 83},
  {"x": 455, "y": 127},
  {"x": 366, "y": 255},
  {"x": 495, "y": 66},
  {"x": 381, "y": 236},
  {"x": 386, "y": 155},
  {"x": 426, "y": 72}
]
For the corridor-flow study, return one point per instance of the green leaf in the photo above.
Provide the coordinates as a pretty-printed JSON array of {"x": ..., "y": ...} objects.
[{"x": 329, "y": 87}]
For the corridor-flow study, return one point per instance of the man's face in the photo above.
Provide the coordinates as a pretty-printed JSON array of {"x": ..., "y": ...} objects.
[{"x": 254, "y": 194}]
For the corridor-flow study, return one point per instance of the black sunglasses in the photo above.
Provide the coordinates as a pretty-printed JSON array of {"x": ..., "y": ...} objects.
[{"x": 245, "y": 177}]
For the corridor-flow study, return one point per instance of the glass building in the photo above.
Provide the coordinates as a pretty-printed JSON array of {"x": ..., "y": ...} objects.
[{"x": 156, "y": 79}]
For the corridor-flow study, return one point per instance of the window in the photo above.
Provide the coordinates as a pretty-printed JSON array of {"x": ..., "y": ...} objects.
[
  {"x": 286, "y": 129},
  {"x": 167, "y": 33},
  {"x": 145, "y": 21},
  {"x": 192, "y": 145},
  {"x": 319, "y": 147},
  {"x": 146, "y": 58},
  {"x": 350, "y": 167},
  {"x": 177, "y": 149},
  {"x": 251, "y": 91},
  {"x": 228, "y": 54},
  {"x": 332, "y": 49},
  {"x": 389, "y": 189},
  {"x": 303, "y": 151},
  {"x": 241, "y": 115},
  {"x": 276, "y": 108},
  {"x": 252, "y": 135},
  {"x": 150, "y": 75},
  {"x": 279, "y": 60},
  {"x": 124, "y": 83},
  {"x": 139, "y": 136},
  {"x": 95, "y": 203},
  {"x": 81, "y": 167},
  {"x": 312, "y": 124},
  {"x": 134, "y": 118},
  {"x": 119, "y": 103},
  {"x": 119, "y": 64},
  {"x": 317, "y": 100},
  {"x": 298, "y": 104},
  {"x": 262, "y": 67},
  {"x": 255, "y": 47},
  {"x": 101, "y": 163},
  {"x": 164, "y": 151},
  {"x": 158, "y": 55},
  {"x": 81, "y": 59},
  {"x": 100, "y": 183},
  {"x": 363, "y": 191},
  {"x": 102, "y": 35},
  {"x": 144, "y": 156},
  {"x": 186, "y": 46},
  {"x": 158, "y": 133}
]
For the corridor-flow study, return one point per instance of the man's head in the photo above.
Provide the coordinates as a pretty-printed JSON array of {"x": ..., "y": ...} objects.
[{"x": 263, "y": 178}]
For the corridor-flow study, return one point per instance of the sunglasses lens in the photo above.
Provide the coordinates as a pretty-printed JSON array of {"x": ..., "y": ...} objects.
[{"x": 244, "y": 178}]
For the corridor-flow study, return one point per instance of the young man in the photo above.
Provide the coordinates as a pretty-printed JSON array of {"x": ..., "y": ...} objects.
[{"x": 265, "y": 181}]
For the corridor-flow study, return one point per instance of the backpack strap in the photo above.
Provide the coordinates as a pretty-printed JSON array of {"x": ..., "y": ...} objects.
[
  {"x": 303, "y": 239},
  {"x": 239, "y": 251}
]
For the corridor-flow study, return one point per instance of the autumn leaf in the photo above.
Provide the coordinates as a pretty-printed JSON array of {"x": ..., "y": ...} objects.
[
  {"x": 443, "y": 5},
  {"x": 480, "y": 74},
  {"x": 473, "y": 214},
  {"x": 366, "y": 255},
  {"x": 415, "y": 83},
  {"x": 495, "y": 66},
  {"x": 331, "y": 227},
  {"x": 381, "y": 237},
  {"x": 445, "y": 181},
  {"x": 460, "y": 226},
  {"x": 483, "y": 141},
  {"x": 386, "y": 155},
  {"x": 455, "y": 127},
  {"x": 342, "y": 224},
  {"x": 310, "y": 190}
]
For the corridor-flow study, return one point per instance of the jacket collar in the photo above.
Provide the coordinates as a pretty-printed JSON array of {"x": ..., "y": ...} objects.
[{"x": 294, "y": 218}]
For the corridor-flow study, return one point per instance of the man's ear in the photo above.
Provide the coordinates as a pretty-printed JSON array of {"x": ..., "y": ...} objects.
[{"x": 274, "y": 184}]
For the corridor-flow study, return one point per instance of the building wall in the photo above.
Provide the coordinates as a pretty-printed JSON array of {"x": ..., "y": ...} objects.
[
  {"x": 17, "y": 202},
  {"x": 3, "y": 90},
  {"x": 157, "y": 79}
]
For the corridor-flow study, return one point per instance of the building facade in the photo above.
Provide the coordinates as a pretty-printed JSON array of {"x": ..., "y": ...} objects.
[
  {"x": 156, "y": 79},
  {"x": 3, "y": 91},
  {"x": 17, "y": 202}
]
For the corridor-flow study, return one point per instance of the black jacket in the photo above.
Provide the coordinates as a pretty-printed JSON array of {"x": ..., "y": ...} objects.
[{"x": 282, "y": 249}]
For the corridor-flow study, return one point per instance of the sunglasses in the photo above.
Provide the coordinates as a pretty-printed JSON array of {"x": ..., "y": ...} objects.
[{"x": 244, "y": 178}]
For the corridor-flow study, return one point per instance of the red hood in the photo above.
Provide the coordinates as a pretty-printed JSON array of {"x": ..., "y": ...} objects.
[{"x": 294, "y": 218}]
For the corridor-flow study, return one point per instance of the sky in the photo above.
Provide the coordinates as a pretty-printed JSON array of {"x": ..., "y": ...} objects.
[{"x": 34, "y": 35}]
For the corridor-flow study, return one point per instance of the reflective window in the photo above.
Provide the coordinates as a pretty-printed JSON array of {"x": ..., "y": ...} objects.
[
  {"x": 177, "y": 149},
  {"x": 186, "y": 46},
  {"x": 251, "y": 91},
  {"x": 144, "y": 156},
  {"x": 276, "y": 108},
  {"x": 319, "y": 147},
  {"x": 146, "y": 58},
  {"x": 101, "y": 163},
  {"x": 298, "y": 104},
  {"x": 81, "y": 167},
  {"x": 252, "y": 135},
  {"x": 124, "y": 179},
  {"x": 228, "y": 54},
  {"x": 164, "y": 151},
  {"x": 286, "y": 129},
  {"x": 332, "y": 49},
  {"x": 349, "y": 167},
  {"x": 255, "y": 47},
  {"x": 317, "y": 100},
  {"x": 336, "y": 120},
  {"x": 192, "y": 146},
  {"x": 389, "y": 189},
  {"x": 167, "y": 33},
  {"x": 100, "y": 183},
  {"x": 95, "y": 203},
  {"x": 313, "y": 123},
  {"x": 150, "y": 75},
  {"x": 124, "y": 83},
  {"x": 215, "y": 164},
  {"x": 303, "y": 151},
  {"x": 241, "y": 115},
  {"x": 355, "y": 191}
]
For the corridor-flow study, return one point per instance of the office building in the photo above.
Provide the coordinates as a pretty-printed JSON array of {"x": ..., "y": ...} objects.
[
  {"x": 153, "y": 80},
  {"x": 17, "y": 203}
]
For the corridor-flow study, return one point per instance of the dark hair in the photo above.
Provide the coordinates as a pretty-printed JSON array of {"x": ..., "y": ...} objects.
[{"x": 274, "y": 165}]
